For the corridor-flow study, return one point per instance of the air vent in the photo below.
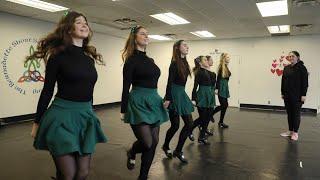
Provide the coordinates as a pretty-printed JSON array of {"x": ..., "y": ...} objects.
[
  {"x": 300, "y": 3},
  {"x": 302, "y": 27},
  {"x": 125, "y": 23},
  {"x": 172, "y": 36}
]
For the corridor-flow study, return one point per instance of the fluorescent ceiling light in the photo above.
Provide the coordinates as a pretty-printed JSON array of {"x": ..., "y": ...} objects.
[
  {"x": 279, "y": 29},
  {"x": 203, "y": 34},
  {"x": 159, "y": 37},
  {"x": 170, "y": 18},
  {"x": 273, "y": 8},
  {"x": 40, "y": 5}
]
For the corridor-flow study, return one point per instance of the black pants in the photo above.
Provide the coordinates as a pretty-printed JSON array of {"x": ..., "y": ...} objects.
[
  {"x": 203, "y": 120},
  {"x": 223, "y": 108},
  {"x": 293, "y": 108},
  {"x": 175, "y": 123},
  {"x": 147, "y": 141}
]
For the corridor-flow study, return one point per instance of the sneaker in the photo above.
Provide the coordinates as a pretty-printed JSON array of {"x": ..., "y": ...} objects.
[
  {"x": 286, "y": 134},
  {"x": 294, "y": 136}
]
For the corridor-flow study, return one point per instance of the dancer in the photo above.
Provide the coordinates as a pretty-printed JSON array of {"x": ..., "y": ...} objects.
[
  {"x": 180, "y": 103},
  {"x": 68, "y": 129},
  {"x": 203, "y": 96},
  {"x": 294, "y": 86},
  {"x": 223, "y": 88},
  {"x": 142, "y": 108}
]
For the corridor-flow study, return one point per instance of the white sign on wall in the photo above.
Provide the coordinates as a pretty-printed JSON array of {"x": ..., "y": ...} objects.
[{"x": 23, "y": 77}]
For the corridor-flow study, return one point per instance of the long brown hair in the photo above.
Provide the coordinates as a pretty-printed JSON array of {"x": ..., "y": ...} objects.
[
  {"x": 60, "y": 39},
  {"x": 130, "y": 45},
  {"x": 225, "y": 72},
  {"x": 183, "y": 68}
]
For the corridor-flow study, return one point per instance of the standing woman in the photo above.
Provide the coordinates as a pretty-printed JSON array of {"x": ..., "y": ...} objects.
[
  {"x": 213, "y": 77},
  {"x": 68, "y": 129},
  {"x": 143, "y": 107},
  {"x": 178, "y": 100},
  {"x": 203, "y": 96},
  {"x": 294, "y": 86},
  {"x": 223, "y": 88}
]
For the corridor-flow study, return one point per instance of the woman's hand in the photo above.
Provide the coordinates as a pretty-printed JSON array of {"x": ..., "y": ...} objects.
[
  {"x": 166, "y": 104},
  {"x": 34, "y": 130}
]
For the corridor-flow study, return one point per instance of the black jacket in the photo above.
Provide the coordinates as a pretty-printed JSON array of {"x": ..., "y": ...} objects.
[{"x": 294, "y": 83}]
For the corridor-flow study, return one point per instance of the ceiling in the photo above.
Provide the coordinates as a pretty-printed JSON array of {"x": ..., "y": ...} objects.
[{"x": 224, "y": 18}]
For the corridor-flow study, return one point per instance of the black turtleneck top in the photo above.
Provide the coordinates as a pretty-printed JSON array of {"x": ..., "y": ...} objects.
[
  {"x": 75, "y": 74},
  {"x": 174, "y": 77},
  {"x": 202, "y": 78},
  {"x": 141, "y": 71}
]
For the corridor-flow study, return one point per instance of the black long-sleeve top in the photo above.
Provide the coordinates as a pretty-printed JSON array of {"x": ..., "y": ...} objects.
[
  {"x": 75, "y": 74},
  {"x": 174, "y": 77},
  {"x": 202, "y": 78},
  {"x": 138, "y": 70},
  {"x": 294, "y": 83}
]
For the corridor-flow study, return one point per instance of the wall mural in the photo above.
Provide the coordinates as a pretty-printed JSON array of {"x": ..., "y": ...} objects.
[{"x": 278, "y": 65}]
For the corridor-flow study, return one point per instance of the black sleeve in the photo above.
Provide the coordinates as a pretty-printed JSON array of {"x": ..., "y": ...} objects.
[
  {"x": 48, "y": 87},
  {"x": 282, "y": 82},
  {"x": 171, "y": 77},
  {"x": 128, "y": 69},
  {"x": 218, "y": 79},
  {"x": 304, "y": 81},
  {"x": 195, "y": 86}
]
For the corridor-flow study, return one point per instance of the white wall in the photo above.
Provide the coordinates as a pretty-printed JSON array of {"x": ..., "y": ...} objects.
[
  {"x": 257, "y": 84},
  {"x": 12, "y": 103}
]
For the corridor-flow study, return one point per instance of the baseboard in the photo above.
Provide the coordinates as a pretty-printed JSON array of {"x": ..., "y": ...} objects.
[
  {"x": 30, "y": 117},
  {"x": 274, "y": 108}
]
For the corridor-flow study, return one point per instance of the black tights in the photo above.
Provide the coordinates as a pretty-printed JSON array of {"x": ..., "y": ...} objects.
[
  {"x": 186, "y": 130},
  {"x": 147, "y": 140},
  {"x": 72, "y": 166},
  {"x": 203, "y": 120},
  {"x": 223, "y": 108}
]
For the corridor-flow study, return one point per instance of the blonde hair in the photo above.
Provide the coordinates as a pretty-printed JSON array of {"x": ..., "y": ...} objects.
[
  {"x": 225, "y": 72},
  {"x": 130, "y": 45}
]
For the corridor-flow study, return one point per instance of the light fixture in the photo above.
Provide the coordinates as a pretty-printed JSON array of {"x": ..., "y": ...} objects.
[
  {"x": 170, "y": 18},
  {"x": 159, "y": 37},
  {"x": 40, "y": 5},
  {"x": 273, "y": 8},
  {"x": 203, "y": 34},
  {"x": 279, "y": 29}
]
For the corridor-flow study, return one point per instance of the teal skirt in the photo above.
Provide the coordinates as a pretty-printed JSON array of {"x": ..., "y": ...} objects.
[
  {"x": 68, "y": 127},
  {"x": 224, "y": 88},
  {"x": 180, "y": 102},
  {"x": 206, "y": 97},
  {"x": 145, "y": 106}
]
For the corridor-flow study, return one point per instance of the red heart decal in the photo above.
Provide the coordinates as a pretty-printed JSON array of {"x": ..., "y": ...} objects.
[
  {"x": 274, "y": 65},
  {"x": 287, "y": 58},
  {"x": 273, "y": 71},
  {"x": 281, "y": 59},
  {"x": 274, "y": 60},
  {"x": 279, "y": 72}
]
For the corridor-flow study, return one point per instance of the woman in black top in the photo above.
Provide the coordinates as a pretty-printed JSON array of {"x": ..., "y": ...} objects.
[
  {"x": 294, "y": 86},
  {"x": 142, "y": 108},
  {"x": 69, "y": 129},
  {"x": 203, "y": 95},
  {"x": 180, "y": 103},
  {"x": 223, "y": 88}
]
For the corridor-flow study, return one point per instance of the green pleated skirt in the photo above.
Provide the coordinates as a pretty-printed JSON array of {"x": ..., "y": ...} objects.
[
  {"x": 180, "y": 102},
  {"x": 206, "y": 97},
  {"x": 69, "y": 127},
  {"x": 145, "y": 106},
  {"x": 224, "y": 88}
]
